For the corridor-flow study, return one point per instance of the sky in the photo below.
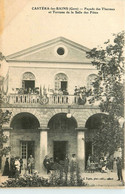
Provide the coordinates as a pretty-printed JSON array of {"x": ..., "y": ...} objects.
[{"x": 24, "y": 27}]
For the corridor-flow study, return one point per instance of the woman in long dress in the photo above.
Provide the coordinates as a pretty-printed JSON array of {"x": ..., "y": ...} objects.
[
  {"x": 89, "y": 162},
  {"x": 12, "y": 168},
  {"x": 6, "y": 168}
]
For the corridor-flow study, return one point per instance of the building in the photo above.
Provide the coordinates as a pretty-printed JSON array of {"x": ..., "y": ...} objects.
[{"x": 49, "y": 115}]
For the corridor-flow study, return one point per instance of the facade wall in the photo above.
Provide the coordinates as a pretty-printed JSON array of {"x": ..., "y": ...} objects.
[
  {"x": 45, "y": 77},
  {"x": 44, "y": 62},
  {"x": 17, "y": 136},
  {"x": 44, "y": 115}
]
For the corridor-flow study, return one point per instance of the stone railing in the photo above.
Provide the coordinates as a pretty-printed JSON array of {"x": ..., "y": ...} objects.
[
  {"x": 35, "y": 99},
  {"x": 24, "y": 98},
  {"x": 63, "y": 99}
]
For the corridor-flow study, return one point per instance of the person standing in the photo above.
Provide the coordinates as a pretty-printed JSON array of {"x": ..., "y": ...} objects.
[
  {"x": 6, "y": 168},
  {"x": 17, "y": 167},
  {"x": 31, "y": 164},
  {"x": 115, "y": 165},
  {"x": 12, "y": 167},
  {"x": 89, "y": 162},
  {"x": 73, "y": 169},
  {"x": 21, "y": 164},
  {"x": 46, "y": 163},
  {"x": 66, "y": 166},
  {"x": 73, "y": 164},
  {"x": 119, "y": 168}
]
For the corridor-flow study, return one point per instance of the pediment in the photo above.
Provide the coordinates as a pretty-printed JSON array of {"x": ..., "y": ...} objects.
[{"x": 59, "y": 50}]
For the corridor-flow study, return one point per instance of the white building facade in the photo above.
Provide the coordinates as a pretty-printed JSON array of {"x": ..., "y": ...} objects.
[{"x": 40, "y": 89}]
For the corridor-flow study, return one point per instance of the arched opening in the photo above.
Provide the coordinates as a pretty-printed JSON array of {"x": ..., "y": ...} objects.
[
  {"x": 92, "y": 124},
  {"x": 28, "y": 82},
  {"x": 62, "y": 136},
  {"x": 61, "y": 83},
  {"x": 24, "y": 136},
  {"x": 25, "y": 121}
]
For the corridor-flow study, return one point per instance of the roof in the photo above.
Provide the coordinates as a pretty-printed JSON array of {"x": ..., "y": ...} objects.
[{"x": 43, "y": 52}]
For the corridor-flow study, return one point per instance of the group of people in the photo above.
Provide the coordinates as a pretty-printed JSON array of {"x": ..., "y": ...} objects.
[
  {"x": 57, "y": 164},
  {"x": 27, "y": 90},
  {"x": 103, "y": 165},
  {"x": 13, "y": 168},
  {"x": 61, "y": 92}
]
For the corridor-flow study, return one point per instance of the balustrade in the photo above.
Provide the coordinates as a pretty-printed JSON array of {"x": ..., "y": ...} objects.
[{"x": 35, "y": 99}]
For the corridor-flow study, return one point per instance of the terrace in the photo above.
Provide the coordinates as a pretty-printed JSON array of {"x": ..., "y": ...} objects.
[{"x": 45, "y": 99}]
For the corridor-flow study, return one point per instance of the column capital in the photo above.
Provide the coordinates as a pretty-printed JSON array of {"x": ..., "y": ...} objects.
[
  {"x": 6, "y": 128},
  {"x": 80, "y": 129},
  {"x": 43, "y": 129}
]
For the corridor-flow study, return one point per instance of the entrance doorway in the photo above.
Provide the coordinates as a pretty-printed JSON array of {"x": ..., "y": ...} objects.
[
  {"x": 27, "y": 149},
  {"x": 64, "y": 85},
  {"x": 28, "y": 85},
  {"x": 60, "y": 150}
]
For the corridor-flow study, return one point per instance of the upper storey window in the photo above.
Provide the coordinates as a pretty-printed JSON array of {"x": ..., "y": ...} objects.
[
  {"x": 61, "y": 82},
  {"x": 60, "y": 51},
  {"x": 28, "y": 82},
  {"x": 90, "y": 79}
]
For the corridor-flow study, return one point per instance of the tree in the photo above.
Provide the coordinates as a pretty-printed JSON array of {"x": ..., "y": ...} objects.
[
  {"x": 4, "y": 118},
  {"x": 108, "y": 90}
]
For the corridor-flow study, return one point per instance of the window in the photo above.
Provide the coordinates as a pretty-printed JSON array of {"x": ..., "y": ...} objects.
[
  {"x": 28, "y": 82},
  {"x": 27, "y": 149},
  {"x": 90, "y": 79},
  {"x": 63, "y": 85},
  {"x": 60, "y": 51},
  {"x": 24, "y": 150},
  {"x": 61, "y": 82}
]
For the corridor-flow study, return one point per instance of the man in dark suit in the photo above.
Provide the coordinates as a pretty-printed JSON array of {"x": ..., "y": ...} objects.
[{"x": 119, "y": 169}]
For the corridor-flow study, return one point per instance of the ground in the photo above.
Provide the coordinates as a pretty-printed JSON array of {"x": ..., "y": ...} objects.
[
  {"x": 96, "y": 179},
  {"x": 102, "y": 179}
]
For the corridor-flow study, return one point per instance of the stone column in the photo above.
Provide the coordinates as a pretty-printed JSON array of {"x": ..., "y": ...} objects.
[
  {"x": 43, "y": 148},
  {"x": 81, "y": 147},
  {"x": 6, "y": 132}
]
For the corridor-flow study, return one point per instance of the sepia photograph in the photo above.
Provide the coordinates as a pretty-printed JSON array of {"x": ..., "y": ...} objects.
[{"x": 62, "y": 87}]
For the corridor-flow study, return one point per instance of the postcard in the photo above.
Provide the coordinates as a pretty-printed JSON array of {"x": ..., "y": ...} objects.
[{"x": 62, "y": 94}]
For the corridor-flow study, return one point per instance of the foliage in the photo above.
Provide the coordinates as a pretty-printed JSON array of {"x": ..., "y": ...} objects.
[
  {"x": 36, "y": 181},
  {"x": 63, "y": 178},
  {"x": 83, "y": 93},
  {"x": 108, "y": 138},
  {"x": 4, "y": 118},
  {"x": 27, "y": 181},
  {"x": 108, "y": 90},
  {"x": 59, "y": 177}
]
